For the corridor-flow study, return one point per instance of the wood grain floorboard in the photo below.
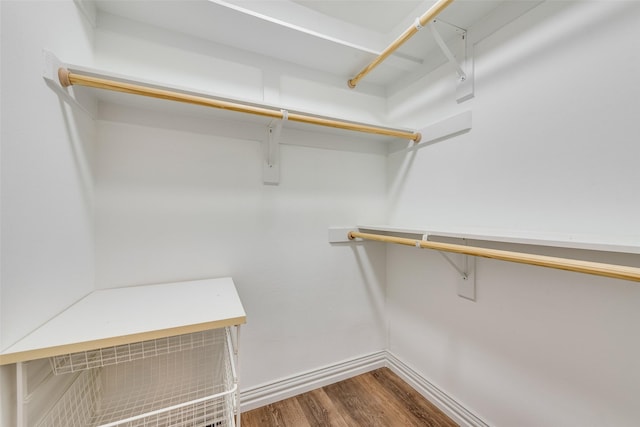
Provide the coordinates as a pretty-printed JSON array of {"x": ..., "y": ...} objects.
[
  {"x": 423, "y": 411},
  {"x": 356, "y": 403},
  {"x": 286, "y": 413},
  {"x": 374, "y": 399},
  {"x": 320, "y": 410},
  {"x": 396, "y": 409}
]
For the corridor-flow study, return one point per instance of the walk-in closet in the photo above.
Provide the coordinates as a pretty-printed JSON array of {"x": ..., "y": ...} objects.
[{"x": 319, "y": 212}]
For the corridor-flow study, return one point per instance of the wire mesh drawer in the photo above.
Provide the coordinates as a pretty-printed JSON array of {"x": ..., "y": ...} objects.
[
  {"x": 179, "y": 385},
  {"x": 82, "y": 360}
]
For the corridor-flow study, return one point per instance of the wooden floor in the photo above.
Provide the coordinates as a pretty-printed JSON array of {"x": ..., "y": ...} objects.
[{"x": 377, "y": 398}]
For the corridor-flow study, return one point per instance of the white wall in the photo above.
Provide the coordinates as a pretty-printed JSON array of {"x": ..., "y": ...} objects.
[
  {"x": 46, "y": 186},
  {"x": 178, "y": 204},
  {"x": 138, "y": 49},
  {"x": 179, "y": 196},
  {"x": 46, "y": 181},
  {"x": 552, "y": 149}
]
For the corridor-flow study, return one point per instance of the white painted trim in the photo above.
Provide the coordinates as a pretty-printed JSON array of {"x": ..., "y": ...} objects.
[
  {"x": 454, "y": 409},
  {"x": 285, "y": 388}
]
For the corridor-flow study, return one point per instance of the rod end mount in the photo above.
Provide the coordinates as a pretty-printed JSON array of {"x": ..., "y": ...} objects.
[
  {"x": 351, "y": 84},
  {"x": 417, "y": 138},
  {"x": 63, "y": 76}
]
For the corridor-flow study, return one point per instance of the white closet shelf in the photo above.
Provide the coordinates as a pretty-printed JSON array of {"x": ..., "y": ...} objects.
[
  {"x": 120, "y": 89},
  {"x": 575, "y": 265},
  {"x": 622, "y": 244},
  {"x": 113, "y": 317}
]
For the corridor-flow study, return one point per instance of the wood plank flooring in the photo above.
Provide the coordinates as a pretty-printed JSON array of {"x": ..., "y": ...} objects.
[{"x": 376, "y": 399}]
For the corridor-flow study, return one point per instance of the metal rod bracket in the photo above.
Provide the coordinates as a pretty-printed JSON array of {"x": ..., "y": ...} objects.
[
  {"x": 447, "y": 52},
  {"x": 271, "y": 164},
  {"x": 466, "y": 283},
  {"x": 464, "y": 68}
]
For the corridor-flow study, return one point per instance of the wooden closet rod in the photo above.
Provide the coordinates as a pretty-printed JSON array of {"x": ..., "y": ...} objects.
[
  {"x": 595, "y": 268},
  {"x": 422, "y": 21},
  {"x": 68, "y": 78}
]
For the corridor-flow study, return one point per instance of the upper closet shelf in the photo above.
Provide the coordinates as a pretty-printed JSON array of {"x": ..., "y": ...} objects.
[
  {"x": 622, "y": 244},
  {"x": 112, "y": 317}
]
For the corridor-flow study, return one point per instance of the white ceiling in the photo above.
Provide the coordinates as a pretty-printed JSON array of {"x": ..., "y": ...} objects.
[{"x": 335, "y": 36}]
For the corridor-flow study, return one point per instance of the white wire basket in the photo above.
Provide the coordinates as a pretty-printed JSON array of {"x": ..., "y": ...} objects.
[
  {"x": 82, "y": 360},
  {"x": 188, "y": 381}
]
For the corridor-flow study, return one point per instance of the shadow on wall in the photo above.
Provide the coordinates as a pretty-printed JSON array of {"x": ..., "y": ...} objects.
[
  {"x": 361, "y": 253},
  {"x": 80, "y": 141},
  {"x": 397, "y": 182},
  {"x": 553, "y": 26}
]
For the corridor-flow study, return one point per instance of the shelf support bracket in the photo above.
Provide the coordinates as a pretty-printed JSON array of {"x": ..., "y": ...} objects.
[
  {"x": 447, "y": 52},
  {"x": 271, "y": 164},
  {"x": 466, "y": 284},
  {"x": 465, "y": 89}
]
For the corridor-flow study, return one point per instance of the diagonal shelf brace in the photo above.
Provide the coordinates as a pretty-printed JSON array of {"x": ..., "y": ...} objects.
[
  {"x": 461, "y": 271},
  {"x": 466, "y": 284},
  {"x": 447, "y": 52},
  {"x": 464, "y": 69}
]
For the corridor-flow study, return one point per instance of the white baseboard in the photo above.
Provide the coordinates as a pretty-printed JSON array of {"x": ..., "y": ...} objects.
[
  {"x": 265, "y": 394},
  {"x": 456, "y": 411}
]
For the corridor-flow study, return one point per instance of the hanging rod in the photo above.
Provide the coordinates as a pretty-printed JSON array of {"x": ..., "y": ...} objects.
[
  {"x": 417, "y": 26},
  {"x": 68, "y": 78},
  {"x": 595, "y": 268}
]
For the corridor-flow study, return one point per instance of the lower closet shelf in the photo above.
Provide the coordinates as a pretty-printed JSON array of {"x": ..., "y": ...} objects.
[{"x": 183, "y": 381}]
